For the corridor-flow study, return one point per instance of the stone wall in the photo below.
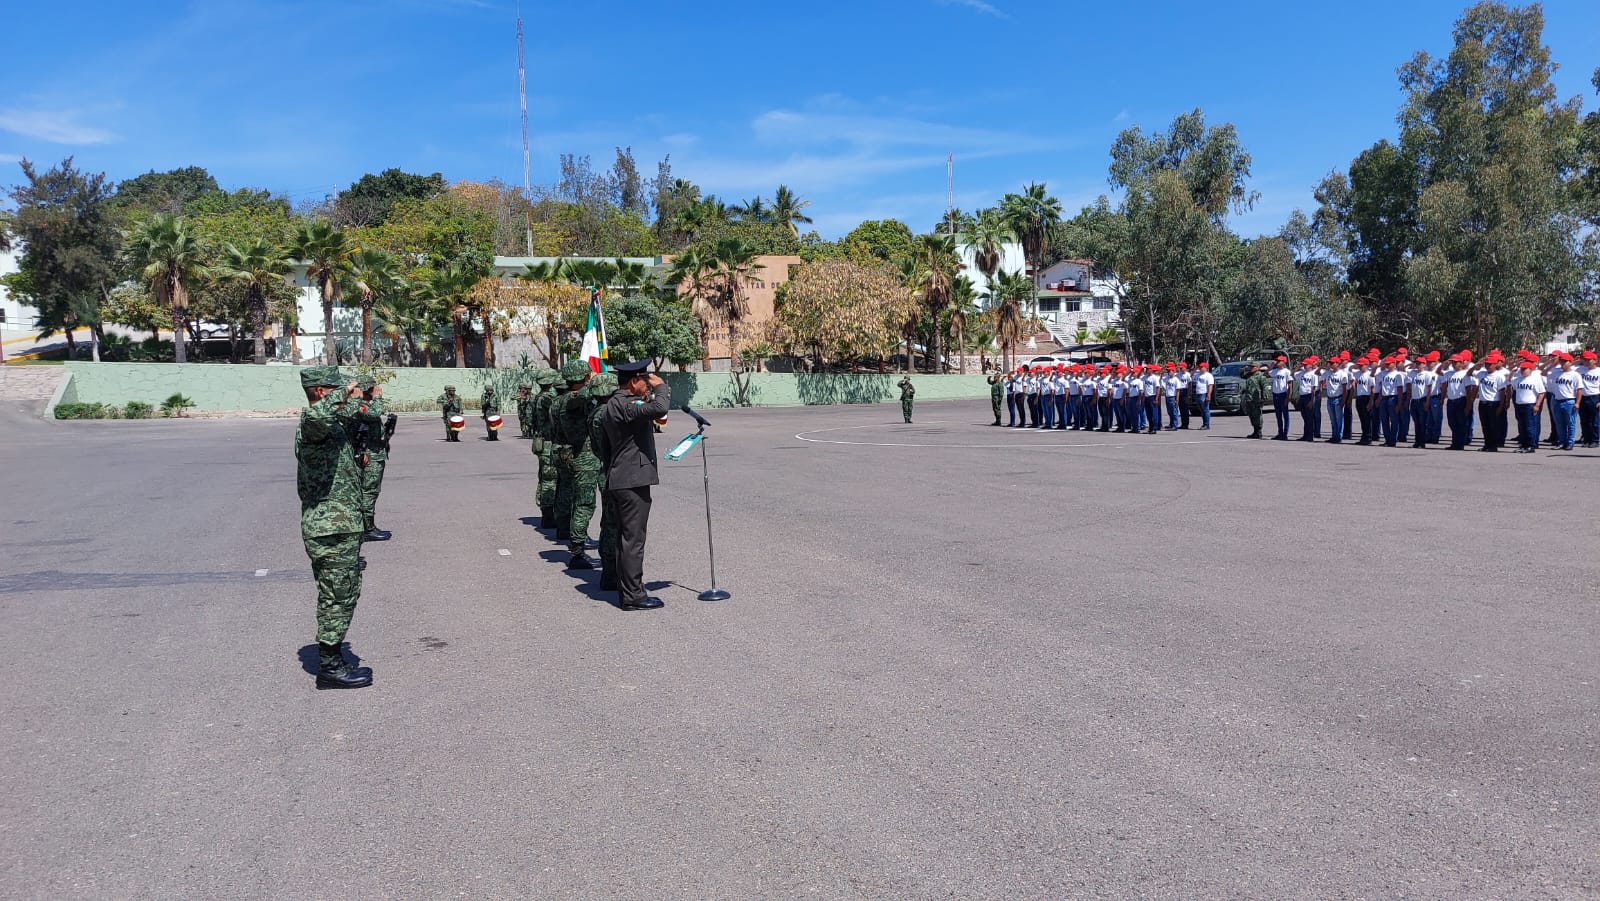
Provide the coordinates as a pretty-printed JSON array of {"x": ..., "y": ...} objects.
[{"x": 215, "y": 387}]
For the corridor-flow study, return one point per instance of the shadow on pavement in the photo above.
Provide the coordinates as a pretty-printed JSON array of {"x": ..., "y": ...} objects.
[{"x": 310, "y": 660}]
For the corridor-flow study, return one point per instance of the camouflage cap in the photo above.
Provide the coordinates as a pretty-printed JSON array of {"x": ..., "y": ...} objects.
[
  {"x": 546, "y": 377},
  {"x": 321, "y": 377},
  {"x": 574, "y": 371},
  {"x": 488, "y": 389},
  {"x": 602, "y": 385},
  {"x": 366, "y": 382},
  {"x": 449, "y": 387}
]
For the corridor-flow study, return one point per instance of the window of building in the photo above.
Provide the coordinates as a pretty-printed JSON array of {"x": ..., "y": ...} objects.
[
  {"x": 1049, "y": 305},
  {"x": 1072, "y": 306},
  {"x": 1105, "y": 303}
]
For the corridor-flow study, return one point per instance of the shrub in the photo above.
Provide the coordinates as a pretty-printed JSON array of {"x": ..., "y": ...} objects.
[
  {"x": 137, "y": 409},
  {"x": 81, "y": 411},
  {"x": 175, "y": 405}
]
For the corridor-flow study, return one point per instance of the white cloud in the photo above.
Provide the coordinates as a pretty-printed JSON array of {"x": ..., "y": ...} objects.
[
  {"x": 56, "y": 126},
  {"x": 987, "y": 9}
]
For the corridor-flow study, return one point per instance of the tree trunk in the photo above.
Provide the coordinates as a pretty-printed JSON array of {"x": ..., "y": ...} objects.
[
  {"x": 961, "y": 347},
  {"x": 330, "y": 349},
  {"x": 366, "y": 329},
  {"x": 258, "y": 327},
  {"x": 94, "y": 342},
  {"x": 461, "y": 342},
  {"x": 488, "y": 343},
  {"x": 180, "y": 349}
]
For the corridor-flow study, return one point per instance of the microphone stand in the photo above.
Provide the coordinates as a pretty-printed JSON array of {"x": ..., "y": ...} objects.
[{"x": 713, "y": 593}]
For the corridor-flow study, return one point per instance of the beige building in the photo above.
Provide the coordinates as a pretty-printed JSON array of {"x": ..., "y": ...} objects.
[{"x": 761, "y": 291}]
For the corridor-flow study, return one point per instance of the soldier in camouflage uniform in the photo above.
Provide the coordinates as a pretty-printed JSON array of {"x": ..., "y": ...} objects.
[
  {"x": 486, "y": 405},
  {"x": 588, "y": 473},
  {"x": 997, "y": 394},
  {"x": 576, "y": 375},
  {"x": 451, "y": 407},
  {"x": 329, "y": 483},
  {"x": 907, "y": 394},
  {"x": 376, "y": 440},
  {"x": 609, "y": 536},
  {"x": 551, "y": 388},
  {"x": 524, "y": 411}
]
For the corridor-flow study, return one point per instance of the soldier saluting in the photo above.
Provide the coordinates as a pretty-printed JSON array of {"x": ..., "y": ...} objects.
[
  {"x": 908, "y": 394},
  {"x": 329, "y": 483},
  {"x": 375, "y": 449},
  {"x": 630, "y": 470}
]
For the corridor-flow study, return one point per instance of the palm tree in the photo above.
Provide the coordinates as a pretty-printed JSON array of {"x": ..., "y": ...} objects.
[
  {"x": 446, "y": 291},
  {"x": 399, "y": 315},
  {"x": 168, "y": 259},
  {"x": 963, "y": 303},
  {"x": 752, "y": 210},
  {"x": 1032, "y": 214},
  {"x": 936, "y": 264},
  {"x": 987, "y": 236},
  {"x": 323, "y": 247},
  {"x": 789, "y": 210},
  {"x": 372, "y": 272},
  {"x": 954, "y": 222},
  {"x": 1011, "y": 289},
  {"x": 259, "y": 266},
  {"x": 630, "y": 277},
  {"x": 733, "y": 262},
  {"x": 689, "y": 273}
]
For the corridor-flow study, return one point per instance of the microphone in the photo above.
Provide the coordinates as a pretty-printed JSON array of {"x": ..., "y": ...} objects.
[{"x": 697, "y": 417}]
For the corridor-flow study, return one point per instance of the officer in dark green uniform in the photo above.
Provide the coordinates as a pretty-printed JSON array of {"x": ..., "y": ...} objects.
[
  {"x": 997, "y": 394},
  {"x": 329, "y": 483},
  {"x": 544, "y": 430},
  {"x": 375, "y": 440},
  {"x": 630, "y": 466},
  {"x": 575, "y": 373},
  {"x": 907, "y": 395},
  {"x": 587, "y": 472},
  {"x": 524, "y": 411},
  {"x": 1253, "y": 396},
  {"x": 486, "y": 405},
  {"x": 451, "y": 406}
]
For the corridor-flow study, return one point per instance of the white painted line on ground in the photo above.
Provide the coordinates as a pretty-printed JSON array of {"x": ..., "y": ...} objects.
[
  {"x": 504, "y": 552},
  {"x": 260, "y": 573},
  {"x": 1038, "y": 445}
]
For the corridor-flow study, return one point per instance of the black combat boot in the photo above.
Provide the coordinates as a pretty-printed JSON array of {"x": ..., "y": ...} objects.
[
  {"x": 333, "y": 671},
  {"x": 579, "y": 560},
  {"x": 547, "y": 518},
  {"x": 377, "y": 534}
]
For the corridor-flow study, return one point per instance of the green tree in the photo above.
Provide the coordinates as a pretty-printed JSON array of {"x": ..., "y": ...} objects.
[
  {"x": 836, "y": 312},
  {"x": 986, "y": 235},
  {"x": 1032, "y": 215},
  {"x": 323, "y": 248},
  {"x": 934, "y": 277},
  {"x": 69, "y": 247},
  {"x": 789, "y": 210},
  {"x": 169, "y": 192},
  {"x": 663, "y": 331},
  {"x": 371, "y": 198},
  {"x": 372, "y": 273},
  {"x": 165, "y": 256},
  {"x": 260, "y": 267}
]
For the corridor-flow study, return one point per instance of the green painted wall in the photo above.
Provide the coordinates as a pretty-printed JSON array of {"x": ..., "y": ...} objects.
[{"x": 245, "y": 387}]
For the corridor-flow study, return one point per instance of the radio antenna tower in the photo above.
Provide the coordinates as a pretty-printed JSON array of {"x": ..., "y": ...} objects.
[
  {"x": 950, "y": 182},
  {"x": 522, "y": 95}
]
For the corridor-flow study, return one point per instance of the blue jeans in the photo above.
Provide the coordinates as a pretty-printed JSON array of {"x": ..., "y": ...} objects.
[
  {"x": 1527, "y": 427},
  {"x": 1308, "y": 417},
  {"x": 1152, "y": 412},
  {"x": 1061, "y": 411},
  {"x": 1419, "y": 412},
  {"x": 1435, "y": 418},
  {"x": 1172, "y": 412},
  {"x": 1566, "y": 410},
  {"x": 1047, "y": 410},
  {"x": 1336, "y": 416},
  {"x": 1204, "y": 403},
  {"x": 1389, "y": 418},
  {"x": 1280, "y": 413},
  {"x": 1402, "y": 415},
  {"x": 1011, "y": 409}
]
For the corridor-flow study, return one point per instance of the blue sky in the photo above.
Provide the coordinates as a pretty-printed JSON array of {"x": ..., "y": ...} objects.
[{"x": 852, "y": 104}]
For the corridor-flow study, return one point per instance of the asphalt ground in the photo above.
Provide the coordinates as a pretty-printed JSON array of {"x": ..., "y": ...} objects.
[{"x": 959, "y": 661}]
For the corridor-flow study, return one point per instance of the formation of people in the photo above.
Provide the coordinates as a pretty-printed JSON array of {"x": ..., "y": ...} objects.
[
  {"x": 592, "y": 434},
  {"x": 1393, "y": 399}
]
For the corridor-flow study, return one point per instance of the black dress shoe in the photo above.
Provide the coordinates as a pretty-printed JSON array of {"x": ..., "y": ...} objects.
[
  {"x": 376, "y": 534},
  {"x": 361, "y": 564},
  {"x": 580, "y": 560},
  {"x": 645, "y": 604}
]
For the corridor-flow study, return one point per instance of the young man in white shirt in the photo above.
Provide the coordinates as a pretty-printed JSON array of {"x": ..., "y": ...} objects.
[
  {"x": 1202, "y": 387},
  {"x": 1491, "y": 391},
  {"x": 1459, "y": 388},
  {"x": 1589, "y": 406},
  {"x": 1436, "y": 399},
  {"x": 1421, "y": 389},
  {"x": 1566, "y": 389},
  {"x": 1172, "y": 395},
  {"x": 1366, "y": 395},
  {"x": 1527, "y": 394},
  {"x": 1336, "y": 388},
  {"x": 1309, "y": 382},
  {"x": 1153, "y": 390},
  {"x": 1391, "y": 384},
  {"x": 1403, "y": 365},
  {"x": 1280, "y": 376},
  {"x": 1185, "y": 383}
]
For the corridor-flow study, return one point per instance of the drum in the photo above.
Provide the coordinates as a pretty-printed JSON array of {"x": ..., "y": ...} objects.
[
  {"x": 494, "y": 421},
  {"x": 457, "y": 423}
]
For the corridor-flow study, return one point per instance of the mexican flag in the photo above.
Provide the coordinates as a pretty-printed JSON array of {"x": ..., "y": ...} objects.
[{"x": 593, "y": 351}]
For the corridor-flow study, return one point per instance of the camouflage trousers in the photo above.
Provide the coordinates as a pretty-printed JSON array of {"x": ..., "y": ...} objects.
[
  {"x": 995, "y": 401},
  {"x": 564, "y": 492},
  {"x": 586, "y": 478},
  {"x": 335, "y": 565},
  {"x": 371, "y": 484},
  {"x": 547, "y": 474},
  {"x": 905, "y": 408}
]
